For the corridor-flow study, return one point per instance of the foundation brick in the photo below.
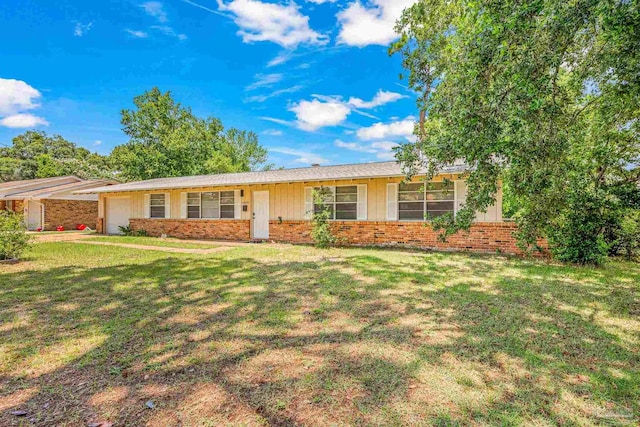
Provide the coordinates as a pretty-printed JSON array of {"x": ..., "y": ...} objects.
[
  {"x": 482, "y": 237},
  {"x": 219, "y": 229}
]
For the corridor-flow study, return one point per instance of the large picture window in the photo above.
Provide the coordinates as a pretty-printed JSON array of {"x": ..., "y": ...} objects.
[
  {"x": 341, "y": 201},
  {"x": 211, "y": 205},
  {"x": 157, "y": 206},
  {"x": 417, "y": 201}
]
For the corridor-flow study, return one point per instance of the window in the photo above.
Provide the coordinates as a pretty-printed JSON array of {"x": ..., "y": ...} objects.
[
  {"x": 342, "y": 202},
  {"x": 214, "y": 205},
  {"x": 417, "y": 201},
  {"x": 157, "y": 206}
]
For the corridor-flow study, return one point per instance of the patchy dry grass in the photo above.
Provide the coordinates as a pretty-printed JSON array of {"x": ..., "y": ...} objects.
[{"x": 281, "y": 335}]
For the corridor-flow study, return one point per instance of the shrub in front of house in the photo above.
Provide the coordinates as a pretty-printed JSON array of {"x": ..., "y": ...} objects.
[
  {"x": 14, "y": 239},
  {"x": 320, "y": 227}
]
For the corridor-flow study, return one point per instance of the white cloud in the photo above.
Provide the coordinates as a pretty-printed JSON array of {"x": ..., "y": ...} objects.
[
  {"x": 403, "y": 128},
  {"x": 264, "y": 80},
  {"x": 17, "y": 97},
  {"x": 332, "y": 110},
  {"x": 363, "y": 25},
  {"x": 354, "y": 146},
  {"x": 381, "y": 98},
  {"x": 320, "y": 1},
  {"x": 23, "y": 120},
  {"x": 281, "y": 24},
  {"x": 81, "y": 29},
  {"x": 262, "y": 98},
  {"x": 156, "y": 10},
  {"x": 273, "y": 132},
  {"x": 382, "y": 149},
  {"x": 280, "y": 59},
  {"x": 97, "y": 143},
  {"x": 169, "y": 31},
  {"x": 312, "y": 115},
  {"x": 278, "y": 121},
  {"x": 136, "y": 33},
  {"x": 302, "y": 156}
]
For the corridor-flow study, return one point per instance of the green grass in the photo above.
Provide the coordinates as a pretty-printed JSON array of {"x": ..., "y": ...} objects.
[
  {"x": 153, "y": 241},
  {"x": 283, "y": 335}
]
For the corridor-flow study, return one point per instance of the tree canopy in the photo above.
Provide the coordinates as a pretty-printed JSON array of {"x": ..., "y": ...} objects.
[
  {"x": 35, "y": 154},
  {"x": 544, "y": 96},
  {"x": 167, "y": 140}
]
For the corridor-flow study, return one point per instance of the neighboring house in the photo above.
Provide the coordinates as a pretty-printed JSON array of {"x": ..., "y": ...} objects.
[
  {"x": 369, "y": 202},
  {"x": 50, "y": 202}
]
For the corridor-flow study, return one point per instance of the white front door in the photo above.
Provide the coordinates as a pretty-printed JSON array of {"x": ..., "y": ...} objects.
[
  {"x": 34, "y": 215},
  {"x": 260, "y": 214},
  {"x": 118, "y": 213}
]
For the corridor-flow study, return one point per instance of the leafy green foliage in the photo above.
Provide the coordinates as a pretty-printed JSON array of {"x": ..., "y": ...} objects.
[
  {"x": 543, "y": 96},
  {"x": 321, "y": 232},
  {"x": 35, "y": 154},
  {"x": 168, "y": 140},
  {"x": 14, "y": 239}
]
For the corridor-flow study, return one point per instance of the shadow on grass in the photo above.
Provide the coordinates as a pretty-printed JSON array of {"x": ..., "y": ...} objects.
[{"x": 354, "y": 340}]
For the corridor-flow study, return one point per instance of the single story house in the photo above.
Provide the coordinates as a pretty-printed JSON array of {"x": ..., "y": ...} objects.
[
  {"x": 51, "y": 202},
  {"x": 370, "y": 205}
]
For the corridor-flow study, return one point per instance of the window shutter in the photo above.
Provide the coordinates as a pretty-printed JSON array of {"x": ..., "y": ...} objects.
[
  {"x": 167, "y": 205},
  {"x": 362, "y": 202},
  {"x": 308, "y": 202},
  {"x": 237, "y": 208},
  {"x": 460, "y": 194},
  {"x": 183, "y": 205},
  {"x": 147, "y": 205},
  {"x": 392, "y": 202}
]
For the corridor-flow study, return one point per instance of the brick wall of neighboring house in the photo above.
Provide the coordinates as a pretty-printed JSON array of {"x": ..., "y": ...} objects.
[
  {"x": 69, "y": 213},
  {"x": 483, "y": 237},
  {"x": 18, "y": 206},
  {"x": 221, "y": 229},
  {"x": 3, "y": 205}
]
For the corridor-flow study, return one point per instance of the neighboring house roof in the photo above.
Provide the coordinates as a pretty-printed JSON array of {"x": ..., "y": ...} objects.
[
  {"x": 314, "y": 173},
  {"x": 50, "y": 188}
]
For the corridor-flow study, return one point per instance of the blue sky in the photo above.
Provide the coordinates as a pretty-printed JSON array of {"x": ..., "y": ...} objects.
[{"x": 312, "y": 78}]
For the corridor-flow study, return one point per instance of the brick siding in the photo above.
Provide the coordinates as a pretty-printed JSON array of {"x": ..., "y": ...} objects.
[
  {"x": 69, "y": 213},
  {"x": 220, "y": 229},
  {"x": 482, "y": 237}
]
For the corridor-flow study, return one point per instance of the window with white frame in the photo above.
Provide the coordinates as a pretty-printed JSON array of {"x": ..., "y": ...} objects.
[
  {"x": 342, "y": 201},
  {"x": 157, "y": 206},
  {"x": 417, "y": 201},
  {"x": 211, "y": 205}
]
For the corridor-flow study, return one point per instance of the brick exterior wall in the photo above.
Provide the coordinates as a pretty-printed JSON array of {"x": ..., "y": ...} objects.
[
  {"x": 219, "y": 229},
  {"x": 3, "y": 205},
  {"x": 100, "y": 225},
  {"x": 483, "y": 237},
  {"x": 69, "y": 213},
  {"x": 18, "y": 206}
]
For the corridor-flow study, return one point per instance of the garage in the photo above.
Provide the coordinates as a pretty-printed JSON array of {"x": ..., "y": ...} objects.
[{"x": 118, "y": 212}]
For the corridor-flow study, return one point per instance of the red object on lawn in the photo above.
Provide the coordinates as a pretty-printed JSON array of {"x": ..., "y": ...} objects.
[
  {"x": 59, "y": 228},
  {"x": 81, "y": 227},
  {"x": 39, "y": 229}
]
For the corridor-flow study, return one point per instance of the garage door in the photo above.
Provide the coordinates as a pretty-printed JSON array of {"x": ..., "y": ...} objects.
[{"x": 118, "y": 214}]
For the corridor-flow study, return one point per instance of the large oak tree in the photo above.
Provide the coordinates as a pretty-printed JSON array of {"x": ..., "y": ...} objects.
[{"x": 542, "y": 95}]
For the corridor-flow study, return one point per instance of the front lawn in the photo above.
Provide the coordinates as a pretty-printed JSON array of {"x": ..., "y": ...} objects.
[
  {"x": 283, "y": 335},
  {"x": 154, "y": 241}
]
